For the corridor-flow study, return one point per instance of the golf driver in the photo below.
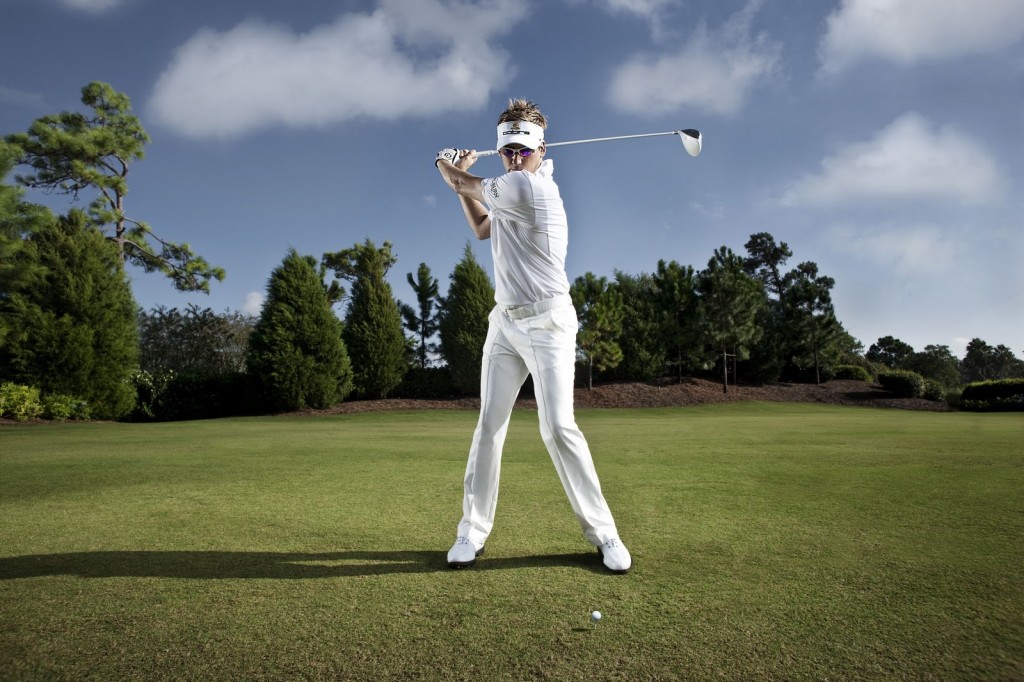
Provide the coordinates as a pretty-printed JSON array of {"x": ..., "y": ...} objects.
[{"x": 690, "y": 138}]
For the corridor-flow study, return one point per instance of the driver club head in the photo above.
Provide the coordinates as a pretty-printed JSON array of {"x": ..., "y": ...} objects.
[{"x": 692, "y": 141}]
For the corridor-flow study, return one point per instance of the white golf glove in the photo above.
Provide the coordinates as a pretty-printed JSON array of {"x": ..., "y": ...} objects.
[{"x": 448, "y": 154}]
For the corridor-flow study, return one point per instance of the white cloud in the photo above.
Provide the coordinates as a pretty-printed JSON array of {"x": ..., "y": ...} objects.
[
  {"x": 408, "y": 58},
  {"x": 910, "y": 31},
  {"x": 712, "y": 72},
  {"x": 908, "y": 159},
  {"x": 20, "y": 97},
  {"x": 93, "y": 6},
  {"x": 644, "y": 8},
  {"x": 254, "y": 302},
  {"x": 907, "y": 249}
]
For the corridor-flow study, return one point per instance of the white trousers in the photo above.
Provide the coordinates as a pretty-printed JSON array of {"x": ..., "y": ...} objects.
[{"x": 542, "y": 344}]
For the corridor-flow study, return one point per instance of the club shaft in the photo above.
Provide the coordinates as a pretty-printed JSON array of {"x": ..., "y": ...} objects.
[{"x": 492, "y": 152}]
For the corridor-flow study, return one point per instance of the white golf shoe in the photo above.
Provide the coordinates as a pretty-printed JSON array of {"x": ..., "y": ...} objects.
[
  {"x": 615, "y": 555},
  {"x": 463, "y": 553}
]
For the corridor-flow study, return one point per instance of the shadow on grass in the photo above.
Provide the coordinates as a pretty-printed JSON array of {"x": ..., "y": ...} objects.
[{"x": 213, "y": 565}]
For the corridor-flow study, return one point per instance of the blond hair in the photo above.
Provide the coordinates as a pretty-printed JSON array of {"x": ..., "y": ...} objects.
[{"x": 520, "y": 109}]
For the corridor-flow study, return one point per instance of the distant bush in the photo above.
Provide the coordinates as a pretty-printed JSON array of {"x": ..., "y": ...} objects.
[
  {"x": 902, "y": 383},
  {"x": 426, "y": 383},
  {"x": 149, "y": 390},
  {"x": 933, "y": 390},
  {"x": 178, "y": 396},
  {"x": 851, "y": 373},
  {"x": 19, "y": 402},
  {"x": 991, "y": 396},
  {"x": 194, "y": 395},
  {"x": 59, "y": 407}
]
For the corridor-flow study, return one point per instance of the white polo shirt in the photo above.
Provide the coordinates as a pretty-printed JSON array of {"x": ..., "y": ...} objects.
[{"x": 529, "y": 236}]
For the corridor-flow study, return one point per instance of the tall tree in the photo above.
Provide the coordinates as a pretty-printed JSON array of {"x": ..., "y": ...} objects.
[
  {"x": 983, "y": 362},
  {"x": 677, "y": 301},
  {"x": 194, "y": 340},
  {"x": 599, "y": 308},
  {"x": 296, "y": 349},
  {"x": 936, "y": 363},
  {"x": 73, "y": 152},
  {"x": 891, "y": 352},
  {"x": 765, "y": 260},
  {"x": 74, "y": 332},
  {"x": 463, "y": 322},
  {"x": 18, "y": 222},
  {"x": 808, "y": 302},
  {"x": 643, "y": 348},
  {"x": 373, "y": 325},
  {"x": 422, "y": 321},
  {"x": 729, "y": 302}
]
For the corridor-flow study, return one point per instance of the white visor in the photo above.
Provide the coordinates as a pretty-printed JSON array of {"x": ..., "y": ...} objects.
[{"x": 528, "y": 134}]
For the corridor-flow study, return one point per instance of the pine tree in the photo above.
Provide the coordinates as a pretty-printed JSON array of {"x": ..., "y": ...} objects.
[
  {"x": 373, "y": 325},
  {"x": 72, "y": 152},
  {"x": 729, "y": 302},
  {"x": 296, "y": 349},
  {"x": 676, "y": 297},
  {"x": 422, "y": 322},
  {"x": 817, "y": 334},
  {"x": 642, "y": 343},
  {"x": 74, "y": 333},
  {"x": 463, "y": 322},
  {"x": 600, "y": 313}
]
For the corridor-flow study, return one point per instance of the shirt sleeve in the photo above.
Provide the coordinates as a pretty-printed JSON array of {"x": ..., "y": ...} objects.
[{"x": 511, "y": 192}]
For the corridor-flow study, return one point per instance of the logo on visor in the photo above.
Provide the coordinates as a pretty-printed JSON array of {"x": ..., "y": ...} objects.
[{"x": 516, "y": 130}]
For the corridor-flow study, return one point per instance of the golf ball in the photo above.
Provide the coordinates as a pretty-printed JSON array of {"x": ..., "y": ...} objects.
[{"x": 595, "y": 616}]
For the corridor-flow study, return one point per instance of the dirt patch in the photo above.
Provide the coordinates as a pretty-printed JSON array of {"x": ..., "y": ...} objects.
[{"x": 687, "y": 392}]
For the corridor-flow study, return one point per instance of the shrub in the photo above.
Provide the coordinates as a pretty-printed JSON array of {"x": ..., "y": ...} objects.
[
  {"x": 903, "y": 383},
  {"x": 196, "y": 395},
  {"x": 1001, "y": 395},
  {"x": 933, "y": 390},
  {"x": 149, "y": 390},
  {"x": 426, "y": 383},
  {"x": 19, "y": 402},
  {"x": 852, "y": 373},
  {"x": 60, "y": 407}
]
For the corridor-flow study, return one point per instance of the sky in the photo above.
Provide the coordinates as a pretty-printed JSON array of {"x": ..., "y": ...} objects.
[{"x": 880, "y": 139}]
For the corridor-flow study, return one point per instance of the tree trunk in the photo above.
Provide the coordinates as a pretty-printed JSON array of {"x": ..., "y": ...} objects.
[{"x": 725, "y": 370}]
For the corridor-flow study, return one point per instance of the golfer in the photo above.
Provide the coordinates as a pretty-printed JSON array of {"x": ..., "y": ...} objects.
[{"x": 532, "y": 330}]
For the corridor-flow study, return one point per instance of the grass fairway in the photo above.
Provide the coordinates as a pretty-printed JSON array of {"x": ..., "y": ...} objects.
[{"x": 770, "y": 541}]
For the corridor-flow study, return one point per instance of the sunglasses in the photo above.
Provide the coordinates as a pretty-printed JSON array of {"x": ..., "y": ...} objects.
[{"x": 510, "y": 153}]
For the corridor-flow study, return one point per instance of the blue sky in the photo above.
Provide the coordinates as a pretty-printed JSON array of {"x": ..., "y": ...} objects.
[{"x": 882, "y": 140}]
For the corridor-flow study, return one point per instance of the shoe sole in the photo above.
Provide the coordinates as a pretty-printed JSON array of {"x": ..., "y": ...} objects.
[{"x": 466, "y": 564}]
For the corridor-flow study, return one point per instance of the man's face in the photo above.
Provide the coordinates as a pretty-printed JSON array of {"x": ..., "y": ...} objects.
[{"x": 514, "y": 160}]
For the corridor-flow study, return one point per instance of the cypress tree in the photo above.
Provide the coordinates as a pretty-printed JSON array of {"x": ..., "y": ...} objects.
[
  {"x": 373, "y": 325},
  {"x": 296, "y": 350},
  {"x": 463, "y": 322},
  {"x": 74, "y": 332}
]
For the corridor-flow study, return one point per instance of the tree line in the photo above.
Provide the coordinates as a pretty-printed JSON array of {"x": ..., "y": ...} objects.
[{"x": 71, "y": 331}]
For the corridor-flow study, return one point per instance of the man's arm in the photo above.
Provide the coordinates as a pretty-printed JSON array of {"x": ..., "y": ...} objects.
[{"x": 470, "y": 190}]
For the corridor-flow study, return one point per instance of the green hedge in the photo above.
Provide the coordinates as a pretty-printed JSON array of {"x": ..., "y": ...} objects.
[
  {"x": 180, "y": 396},
  {"x": 851, "y": 373},
  {"x": 990, "y": 396},
  {"x": 903, "y": 383}
]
